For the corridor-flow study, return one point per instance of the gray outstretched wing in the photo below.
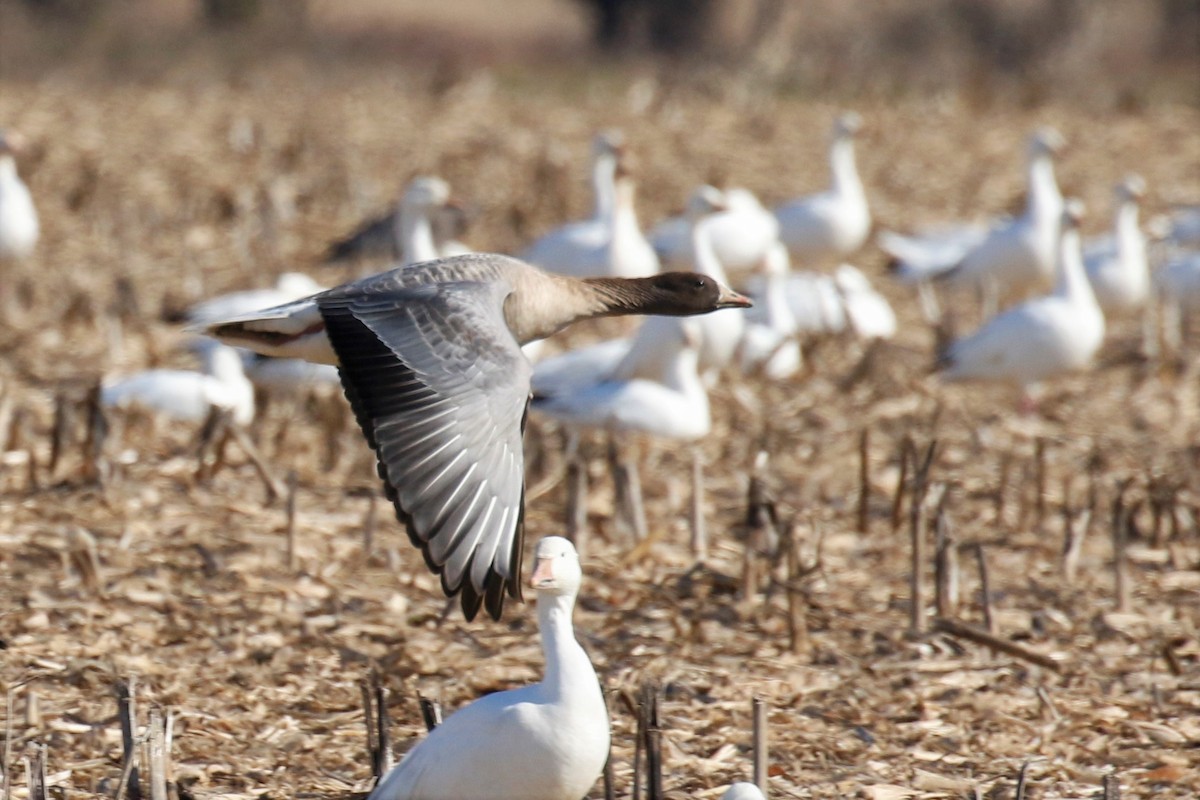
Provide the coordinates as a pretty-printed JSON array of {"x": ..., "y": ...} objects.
[{"x": 440, "y": 390}]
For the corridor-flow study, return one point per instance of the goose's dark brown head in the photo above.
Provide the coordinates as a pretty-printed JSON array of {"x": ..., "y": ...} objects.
[{"x": 682, "y": 294}]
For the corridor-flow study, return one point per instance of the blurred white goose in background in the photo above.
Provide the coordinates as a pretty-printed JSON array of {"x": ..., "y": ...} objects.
[
  {"x": 823, "y": 304},
  {"x": 769, "y": 341},
  {"x": 834, "y": 223},
  {"x": 720, "y": 332},
  {"x": 547, "y": 741},
  {"x": 18, "y": 217},
  {"x": 1014, "y": 255},
  {"x": 1177, "y": 283},
  {"x": 671, "y": 403},
  {"x": 186, "y": 395},
  {"x": 869, "y": 313},
  {"x": 424, "y": 197},
  {"x": 425, "y": 213},
  {"x": 742, "y": 235},
  {"x": 611, "y": 242},
  {"x": 1116, "y": 264},
  {"x": 288, "y": 287},
  {"x": 1040, "y": 338},
  {"x": 1179, "y": 228},
  {"x": 743, "y": 791}
]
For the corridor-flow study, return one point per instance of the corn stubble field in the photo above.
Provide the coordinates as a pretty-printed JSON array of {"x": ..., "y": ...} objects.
[{"x": 157, "y": 193}]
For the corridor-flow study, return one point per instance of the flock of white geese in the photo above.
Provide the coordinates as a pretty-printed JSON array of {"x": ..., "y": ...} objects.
[{"x": 440, "y": 359}]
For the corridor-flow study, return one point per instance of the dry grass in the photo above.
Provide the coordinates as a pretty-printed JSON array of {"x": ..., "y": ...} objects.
[{"x": 191, "y": 183}]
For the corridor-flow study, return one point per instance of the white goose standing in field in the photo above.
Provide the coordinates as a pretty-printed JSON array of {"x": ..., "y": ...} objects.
[
  {"x": 429, "y": 357},
  {"x": 656, "y": 390},
  {"x": 1013, "y": 255},
  {"x": 424, "y": 221},
  {"x": 18, "y": 217},
  {"x": 547, "y": 741},
  {"x": 721, "y": 333},
  {"x": 1040, "y": 338},
  {"x": 611, "y": 242},
  {"x": 836, "y": 222},
  {"x": 769, "y": 341},
  {"x": 742, "y": 235},
  {"x": 673, "y": 404},
  {"x": 186, "y": 395},
  {"x": 1117, "y": 265}
]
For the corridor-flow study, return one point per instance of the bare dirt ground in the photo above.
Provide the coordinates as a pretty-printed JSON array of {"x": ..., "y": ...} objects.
[{"x": 197, "y": 182}]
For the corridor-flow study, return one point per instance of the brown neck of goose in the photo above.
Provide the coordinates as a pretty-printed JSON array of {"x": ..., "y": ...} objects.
[{"x": 617, "y": 296}]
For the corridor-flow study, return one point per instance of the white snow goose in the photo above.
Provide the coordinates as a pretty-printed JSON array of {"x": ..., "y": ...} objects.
[
  {"x": 611, "y": 242},
  {"x": 18, "y": 217},
  {"x": 836, "y": 222},
  {"x": 1040, "y": 338},
  {"x": 742, "y": 235},
  {"x": 187, "y": 395},
  {"x": 1013, "y": 255},
  {"x": 547, "y": 741},
  {"x": 1117, "y": 265},
  {"x": 425, "y": 217},
  {"x": 429, "y": 357},
  {"x": 769, "y": 341}
]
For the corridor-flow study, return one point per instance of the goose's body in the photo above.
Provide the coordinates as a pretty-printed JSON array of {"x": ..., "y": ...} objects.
[
  {"x": 423, "y": 225},
  {"x": 548, "y": 741},
  {"x": 1040, "y": 338},
  {"x": 822, "y": 304},
  {"x": 742, "y": 235},
  {"x": 1014, "y": 254},
  {"x": 836, "y": 222},
  {"x": 1180, "y": 227},
  {"x": 611, "y": 242},
  {"x": 769, "y": 340},
  {"x": 429, "y": 357},
  {"x": 869, "y": 313},
  {"x": 289, "y": 286},
  {"x": 673, "y": 404},
  {"x": 186, "y": 395},
  {"x": 1117, "y": 265},
  {"x": 18, "y": 217},
  {"x": 1178, "y": 280},
  {"x": 720, "y": 333}
]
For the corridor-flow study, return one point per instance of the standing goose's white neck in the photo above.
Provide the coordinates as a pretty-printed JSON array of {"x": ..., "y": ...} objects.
[
  {"x": 1125, "y": 227},
  {"x": 703, "y": 252},
  {"x": 776, "y": 310},
  {"x": 569, "y": 673},
  {"x": 416, "y": 234},
  {"x": 604, "y": 172},
  {"x": 1073, "y": 284},
  {"x": 844, "y": 169}
]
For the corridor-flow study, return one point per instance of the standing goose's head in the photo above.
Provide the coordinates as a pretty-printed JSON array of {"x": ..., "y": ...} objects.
[
  {"x": 1072, "y": 216},
  {"x": 556, "y": 570},
  {"x": 847, "y": 125},
  {"x": 426, "y": 192},
  {"x": 1046, "y": 141},
  {"x": 610, "y": 142},
  {"x": 704, "y": 201},
  {"x": 1132, "y": 187}
]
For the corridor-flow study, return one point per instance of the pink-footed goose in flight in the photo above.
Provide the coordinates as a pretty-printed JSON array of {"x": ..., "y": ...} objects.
[{"x": 430, "y": 360}]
